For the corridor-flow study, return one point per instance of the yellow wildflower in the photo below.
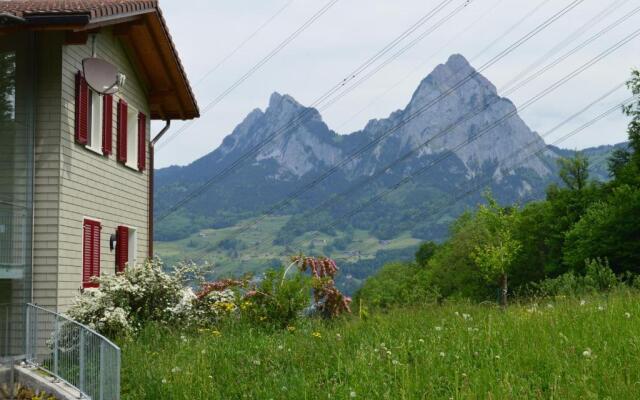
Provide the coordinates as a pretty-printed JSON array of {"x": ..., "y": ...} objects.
[
  {"x": 216, "y": 333},
  {"x": 316, "y": 335},
  {"x": 291, "y": 328}
]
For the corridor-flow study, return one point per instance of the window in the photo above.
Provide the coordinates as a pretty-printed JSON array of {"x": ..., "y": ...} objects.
[
  {"x": 7, "y": 86},
  {"x": 126, "y": 247},
  {"x": 90, "y": 252},
  {"x": 94, "y": 136},
  {"x": 132, "y": 134}
]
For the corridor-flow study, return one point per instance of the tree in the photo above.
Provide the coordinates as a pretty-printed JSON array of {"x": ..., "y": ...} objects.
[
  {"x": 495, "y": 257},
  {"x": 617, "y": 161},
  {"x": 609, "y": 228},
  {"x": 574, "y": 172},
  {"x": 633, "y": 110},
  {"x": 425, "y": 252}
]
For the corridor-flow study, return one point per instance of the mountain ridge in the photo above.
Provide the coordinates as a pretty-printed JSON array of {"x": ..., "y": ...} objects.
[{"x": 439, "y": 117}]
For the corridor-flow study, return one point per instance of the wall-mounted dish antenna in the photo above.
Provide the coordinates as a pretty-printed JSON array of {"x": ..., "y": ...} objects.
[{"x": 102, "y": 76}]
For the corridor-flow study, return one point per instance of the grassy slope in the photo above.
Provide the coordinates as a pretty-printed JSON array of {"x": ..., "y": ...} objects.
[
  {"x": 427, "y": 353},
  {"x": 257, "y": 248}
]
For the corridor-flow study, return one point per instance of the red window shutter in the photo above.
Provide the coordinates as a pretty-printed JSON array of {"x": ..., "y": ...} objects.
[
  {"x": 95, "y": 250},
  {"x": 82, "y": 110},
  {"x": 107, "y": 124},
  {"x": 86, "y": 254},
  {"x": 142, "y": 141},
  {"x": 90, "y": 253},
  {"x": 122, "y": 248},
  {"x": 122, "y": 131}
]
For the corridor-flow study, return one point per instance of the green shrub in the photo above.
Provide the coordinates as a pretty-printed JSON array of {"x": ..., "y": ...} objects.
[
  {"x": 598, "y": 278},
  {"x": 278, "y": 300},
  {"x": 397, "y": 284}
]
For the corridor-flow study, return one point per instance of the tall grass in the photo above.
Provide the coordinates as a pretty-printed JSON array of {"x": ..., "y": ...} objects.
[{"x": 557, "y": 349}]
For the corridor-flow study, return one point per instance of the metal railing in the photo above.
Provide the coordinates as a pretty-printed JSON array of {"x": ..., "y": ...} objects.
[
  {"x": 73, "y": 353},
  {"x": 12, "y": 319},
  {"x": 14, "y": 223}
]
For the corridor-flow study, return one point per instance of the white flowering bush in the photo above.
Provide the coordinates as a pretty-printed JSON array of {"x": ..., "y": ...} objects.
[{"x": 123, "y": 303}]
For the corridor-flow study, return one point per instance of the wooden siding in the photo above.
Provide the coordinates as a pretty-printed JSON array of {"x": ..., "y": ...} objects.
[
  {"x": 47, "y": 170},
  {"x": 73, "y": 182}
]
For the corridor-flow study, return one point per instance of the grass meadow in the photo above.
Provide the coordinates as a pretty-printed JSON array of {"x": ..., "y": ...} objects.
[{"x": 554, "y": 349}]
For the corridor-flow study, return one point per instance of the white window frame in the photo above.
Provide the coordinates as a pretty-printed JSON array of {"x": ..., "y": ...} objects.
[
  {"x": 96, "y": 121},
  {"x": 133, "y": 246},
  {"x": 132, "y": 138}
]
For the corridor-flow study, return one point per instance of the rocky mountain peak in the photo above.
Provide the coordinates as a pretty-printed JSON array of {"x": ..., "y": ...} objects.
[{"x": 453, "y": 98}]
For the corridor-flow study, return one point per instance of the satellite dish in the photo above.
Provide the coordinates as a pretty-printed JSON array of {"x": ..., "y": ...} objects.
[{"x": 102, "y": 76}]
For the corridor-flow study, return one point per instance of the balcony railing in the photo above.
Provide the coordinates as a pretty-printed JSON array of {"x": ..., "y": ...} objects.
[
  {"x": 14, "y": 228},
  {"x": 73, "y": 353}
]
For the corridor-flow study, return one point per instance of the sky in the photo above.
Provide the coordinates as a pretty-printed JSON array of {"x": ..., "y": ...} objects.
[{"x": 351, "y": 31}]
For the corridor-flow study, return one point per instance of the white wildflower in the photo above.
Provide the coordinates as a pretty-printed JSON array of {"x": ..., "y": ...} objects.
[
  {"x": 352, "y": 394},
  {"x": 627, "y": 315},
  {"x": 587, "y": 353}
]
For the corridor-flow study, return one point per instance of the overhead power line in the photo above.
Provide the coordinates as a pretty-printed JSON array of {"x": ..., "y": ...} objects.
[
  {"x": 485, "y": 130},
  {"x": 421, "y": 65},
  {"x": 463, "y": 119},
  {"x": 415, "y": 114},
  {"x": 509, "y": 30},
  {"x": 437, "y": 213},
  {"x": 254, "y": 69},
  {"x": 243, "y": 43},
  {"x": 440, "y": 134},
  {"x": 305, "y": 113},
  {"x": 296, "y": 194}
]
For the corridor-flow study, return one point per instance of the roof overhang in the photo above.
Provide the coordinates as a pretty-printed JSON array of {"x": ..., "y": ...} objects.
[{"x": 147, "y": 41}]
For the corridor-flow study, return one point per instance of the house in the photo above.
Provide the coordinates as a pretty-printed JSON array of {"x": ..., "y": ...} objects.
[{"x": 76, "y": 165}]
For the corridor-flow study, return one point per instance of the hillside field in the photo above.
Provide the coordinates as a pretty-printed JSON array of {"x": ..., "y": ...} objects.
[
  {"x": 254, "y": 251},
  {"x": 556, "y": 349}
]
